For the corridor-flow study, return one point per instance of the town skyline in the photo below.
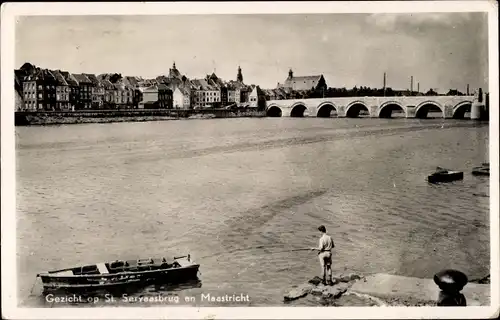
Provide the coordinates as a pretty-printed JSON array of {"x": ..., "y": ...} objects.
[{"x": 348, "y": 49}]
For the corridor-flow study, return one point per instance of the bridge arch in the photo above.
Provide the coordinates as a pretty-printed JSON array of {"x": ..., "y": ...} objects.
[
  {"x": 274, "y": 111},
  {"x": 461, "y": 109},
  {"x": 325, "y": 110},
  {"x": 386, "y": 109},
  {"x": 422, "y": 110},
  {"x": 298, "y": 109},
  {"x": 354, "y": 109}
]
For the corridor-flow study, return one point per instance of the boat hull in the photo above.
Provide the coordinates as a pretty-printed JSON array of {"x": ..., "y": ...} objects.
[
  {"x": 445, "y": 177},
  {"x": 118, "y": 280},
  {"x": 480, "y": 171}
]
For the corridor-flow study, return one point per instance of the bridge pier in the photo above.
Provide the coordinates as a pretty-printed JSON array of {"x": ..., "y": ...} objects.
[
  {"x": 477, "y": 111},
  {"x": 448, "y": 111},
  {"x": 478, "y": 107},
  {"x": 410, "y": 112},
  {"x": 341, "y": 112}
]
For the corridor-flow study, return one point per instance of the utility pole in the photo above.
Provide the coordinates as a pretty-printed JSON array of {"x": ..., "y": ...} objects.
[{"x": 384, "y": 82}]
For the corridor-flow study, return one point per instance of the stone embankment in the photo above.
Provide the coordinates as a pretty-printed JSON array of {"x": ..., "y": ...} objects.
[
  {"x": 133, "y": 115},
  {"x": 381, "y": 290}
]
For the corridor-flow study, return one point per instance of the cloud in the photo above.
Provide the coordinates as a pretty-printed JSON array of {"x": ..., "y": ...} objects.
[
  {"x": 439, "y": 49},
  {"x": 398, "y": 21}
]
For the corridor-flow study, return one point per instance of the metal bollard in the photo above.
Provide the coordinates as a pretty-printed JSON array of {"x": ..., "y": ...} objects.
[{"x": 451, "y": 282}]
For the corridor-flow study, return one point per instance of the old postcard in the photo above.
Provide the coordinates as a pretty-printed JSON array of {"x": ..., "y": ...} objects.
[{"x": 244, "y": 160}]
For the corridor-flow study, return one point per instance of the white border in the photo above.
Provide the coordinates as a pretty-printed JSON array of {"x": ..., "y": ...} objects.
[{"x": 9, "y": 285}]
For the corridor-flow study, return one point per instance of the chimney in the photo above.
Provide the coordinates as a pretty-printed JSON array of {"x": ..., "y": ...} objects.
[
  {"x": 384, "y": 82},
  {"x": 418, "y": 86},
  {"x": 411, "y": 84},
  {"x": 467, "y": 89}
]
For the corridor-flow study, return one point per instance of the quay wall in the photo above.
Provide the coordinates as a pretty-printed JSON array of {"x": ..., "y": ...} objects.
[{"x": 26, "y": 118}]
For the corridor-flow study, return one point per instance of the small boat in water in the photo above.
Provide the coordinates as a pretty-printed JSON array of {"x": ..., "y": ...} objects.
[
  {"x": 483, "y": 170},
  {"x": 444, "y": 175},
  {"x": 120, "y": 273}
]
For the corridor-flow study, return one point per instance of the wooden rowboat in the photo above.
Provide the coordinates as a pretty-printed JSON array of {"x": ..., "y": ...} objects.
[
  {"x": 483, "y": 170},
  {"x": 120, "y": 273},
  {"x": 444, "y": 175}
]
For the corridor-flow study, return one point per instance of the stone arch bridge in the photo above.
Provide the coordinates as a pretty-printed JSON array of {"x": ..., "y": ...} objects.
[{"x": 375, "y": 107}]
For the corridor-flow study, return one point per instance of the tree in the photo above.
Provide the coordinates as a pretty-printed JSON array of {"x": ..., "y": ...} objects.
[
  {"x": 114, "y": 78},
  {"x": 454, "y": 92},
  {"x": 431, "y": 92}
]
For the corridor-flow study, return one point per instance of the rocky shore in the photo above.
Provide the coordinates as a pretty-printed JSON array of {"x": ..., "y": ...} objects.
[
  {"x": 337, "y": 294},
  {"x": 351, "y": 290}
]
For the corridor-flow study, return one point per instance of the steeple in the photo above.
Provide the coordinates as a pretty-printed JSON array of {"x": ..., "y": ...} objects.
[
  {"x": 173, "y": 73},
  {"x": 239, "y": 77},
  {"x": 290, "y": 74}
]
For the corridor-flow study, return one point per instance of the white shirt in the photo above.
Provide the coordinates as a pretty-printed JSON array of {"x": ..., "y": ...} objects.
[{"x": 326, "y": 243}]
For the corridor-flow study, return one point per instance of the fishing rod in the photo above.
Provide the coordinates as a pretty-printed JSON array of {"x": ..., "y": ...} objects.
[
  {"x": 252, "y": 248},
  {"x": 293, "y": 250},
  {"x": 233, "y": 251}
]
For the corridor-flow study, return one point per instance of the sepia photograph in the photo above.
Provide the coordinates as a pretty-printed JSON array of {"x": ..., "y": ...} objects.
[{"x": 206, "y": 160}]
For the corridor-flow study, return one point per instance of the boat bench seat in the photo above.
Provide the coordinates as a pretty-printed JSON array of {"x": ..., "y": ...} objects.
[
  {"x": 145, "y": 261},
  {"x": 102, "y": 268},
  {"x": 137, "y": 265},
  {"x": 116, "y": 265}
]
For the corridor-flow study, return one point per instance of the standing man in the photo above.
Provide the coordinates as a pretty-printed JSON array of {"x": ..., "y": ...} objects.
[{"x": 325, "y": 254}]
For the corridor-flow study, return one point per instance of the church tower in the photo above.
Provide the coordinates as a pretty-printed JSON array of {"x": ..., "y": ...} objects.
[
  {"x": 173, "y": 73},
  {"x": 239, "y": 77},
  {"x": 290, "y": 74}
]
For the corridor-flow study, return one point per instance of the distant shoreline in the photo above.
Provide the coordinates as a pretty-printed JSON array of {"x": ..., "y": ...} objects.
[{"x": 134, "y": 115}]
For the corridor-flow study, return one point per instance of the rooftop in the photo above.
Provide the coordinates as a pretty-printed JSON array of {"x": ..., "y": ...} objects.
[
  {"x": 93, "y": 79},
  {"x": 306, "y": 78},
  {"x": 202, "y": 84},
  {"x": 81, "y": 78},
  {"x": 162, "y": 86},
  {"x": 133, "y": 81},
  {"x": 107, "y": 84},
  {"x": 59, "y": 78},
  {"x": 152, "y": 89},
  {"x": 69, "y": 78}
]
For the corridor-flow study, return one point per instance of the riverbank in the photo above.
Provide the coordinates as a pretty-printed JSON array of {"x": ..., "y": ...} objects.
[
  {"x": 381, "y": 290},
  {"x": 135, "y": 115}
]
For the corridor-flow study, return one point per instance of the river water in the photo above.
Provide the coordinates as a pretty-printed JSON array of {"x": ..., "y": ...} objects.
[{"x": 236, "y": 193}]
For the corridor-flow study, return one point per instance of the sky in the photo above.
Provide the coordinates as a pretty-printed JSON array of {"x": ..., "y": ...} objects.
[{"x": 440, "y": 50}]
